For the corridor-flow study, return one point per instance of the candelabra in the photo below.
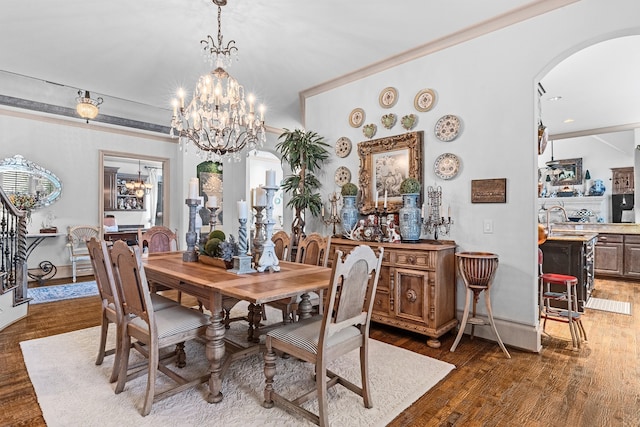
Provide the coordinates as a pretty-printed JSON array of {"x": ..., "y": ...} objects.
[
  {"x": 334, "y": 218},
  {"x": 242, "y": 262},
  {"x": 190, "y": 255},
  {"x": 268, "y": 259},
  {"x": 435, "y": 221},
  {"x": 260, "y": 235}
]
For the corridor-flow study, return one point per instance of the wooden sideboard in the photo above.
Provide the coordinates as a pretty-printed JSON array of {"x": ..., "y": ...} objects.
[{"x": 417, "y": 286}]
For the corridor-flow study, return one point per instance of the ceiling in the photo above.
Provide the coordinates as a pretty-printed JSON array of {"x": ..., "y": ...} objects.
[{"x": 141, "y": 51}]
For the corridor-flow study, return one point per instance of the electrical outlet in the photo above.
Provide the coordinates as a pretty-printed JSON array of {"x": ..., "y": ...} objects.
[{"x": 488, "y": 226}]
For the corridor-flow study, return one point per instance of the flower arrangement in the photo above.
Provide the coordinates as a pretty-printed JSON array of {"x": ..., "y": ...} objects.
[{"x": 24, "y": 202}]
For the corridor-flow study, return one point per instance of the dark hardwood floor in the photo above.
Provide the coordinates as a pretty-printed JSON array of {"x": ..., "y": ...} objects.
[{"x": 598, "y": 385}]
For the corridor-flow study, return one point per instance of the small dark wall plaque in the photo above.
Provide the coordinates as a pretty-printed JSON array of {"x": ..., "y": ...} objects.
[{"x": 489, "y": 190}]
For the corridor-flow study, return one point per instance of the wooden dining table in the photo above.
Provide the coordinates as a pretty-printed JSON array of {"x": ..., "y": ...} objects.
[{"x": 212, "y": 285}]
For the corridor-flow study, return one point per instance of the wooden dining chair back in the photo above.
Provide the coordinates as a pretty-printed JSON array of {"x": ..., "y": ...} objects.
[
  {"x": 343, "y": 328},
  {"x": 158, "y": 239},
  {"x": 77, "y": 238},
  {"x": 313, "y": 250},
  {"x": 151, "y": 330},
  {"x": 282, "y": 243},
  {"x": 110, "y": 305}
]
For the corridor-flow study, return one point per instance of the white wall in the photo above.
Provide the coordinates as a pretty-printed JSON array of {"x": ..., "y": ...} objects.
[
  {"x": 490, "y": 83},
  {"x": 70, "y": 149}
]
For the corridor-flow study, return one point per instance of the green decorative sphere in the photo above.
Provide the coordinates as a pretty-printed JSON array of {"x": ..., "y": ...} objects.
[
  {"x": 218, "y": 234},
  {"x": 349, "y": 189},
  {"x": 410, "y": 186}
]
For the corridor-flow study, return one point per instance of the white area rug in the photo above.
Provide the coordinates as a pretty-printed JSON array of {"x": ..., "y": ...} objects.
[
  {"x": 61, "y": 292},
  {"x": 73, "y": 391},
  {"x": 609, "y": 305}
]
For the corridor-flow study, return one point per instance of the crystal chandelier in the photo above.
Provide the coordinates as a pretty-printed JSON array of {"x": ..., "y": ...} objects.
[
  {"x": 217, "y": 120},
  {"x": 139, "y": 187},
  {"x": 87, "y": 108}
]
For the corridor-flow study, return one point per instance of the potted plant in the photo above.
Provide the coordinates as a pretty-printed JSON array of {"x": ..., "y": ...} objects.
[
  {"x": 349, "y": 211},
  {"x": 410, "y": 225},
  {"x": 305, "y": 153}
]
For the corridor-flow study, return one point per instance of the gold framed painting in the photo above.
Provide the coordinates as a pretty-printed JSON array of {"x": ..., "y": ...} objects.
[{"x": 384, "y": 164}]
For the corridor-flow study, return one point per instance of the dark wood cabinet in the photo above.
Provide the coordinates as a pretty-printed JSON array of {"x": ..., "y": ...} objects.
[
  {"x": 110, "y": 188},
  {"x": 609, "y": 256},
  {"x": 416, "y": 288},
  {"x": 574, "y": 258},
  {"x": 632, "y": 256}
]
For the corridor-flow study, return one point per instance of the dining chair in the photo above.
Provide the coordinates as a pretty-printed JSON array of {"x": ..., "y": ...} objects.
[
  {"x": 312, "y": 250},
  {"x": 152, "y": 330},
  {"x": 282, "y": 244},
  {"x": 111, "y": 307},
  {"x": 158, "y": 239},
  {"x": 77, "y": 237},
  {"x": 321, "y": 339}
]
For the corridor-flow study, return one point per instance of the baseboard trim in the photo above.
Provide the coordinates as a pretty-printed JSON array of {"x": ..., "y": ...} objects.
[{"x": 517, "y": 335}]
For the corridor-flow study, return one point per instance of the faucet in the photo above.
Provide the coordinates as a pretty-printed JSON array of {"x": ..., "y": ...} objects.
[{"x": 552, "y": 208}]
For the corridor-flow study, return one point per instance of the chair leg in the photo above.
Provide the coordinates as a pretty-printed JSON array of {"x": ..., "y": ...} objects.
[
  {"x": 125, "y": 349},
  {"x": 73, "y": 269},
  {"x": 151, "y": 379},
  {"x": 465, "y": 317},
  {"x": 321, "y": 386},
  {"x": 104, "y": 329},
  {"x": 364, "y": 373},
  {"x": 487, "y": 299}
]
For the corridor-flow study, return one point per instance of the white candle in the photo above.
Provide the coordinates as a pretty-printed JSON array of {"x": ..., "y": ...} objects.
[
  {"x": 385, "y": 199},
  {"x": 212, "y": 202},
  {"x": 322, "y": 211},
  {"x": 271, "y": 178},
  {"x": 376, "y": 199},
  {"x": 449, "y": 211},
  {"x": 261, "y": 197},
  {"x": 194, "y": 183},
  {"x": 423, "y": 210},
  {"x": 242, "y": 209}
]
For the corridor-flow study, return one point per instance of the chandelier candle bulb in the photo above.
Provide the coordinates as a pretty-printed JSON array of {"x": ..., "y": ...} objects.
[
  {"x": 262, "y": 108},
  {"x": 242, "y": 210},
  {"x": 271, "y": 178},
  {"x": 194, "y": 183}
]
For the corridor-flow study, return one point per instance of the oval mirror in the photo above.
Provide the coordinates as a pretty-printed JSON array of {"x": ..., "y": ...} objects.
[{"x": 21, "y": 176}]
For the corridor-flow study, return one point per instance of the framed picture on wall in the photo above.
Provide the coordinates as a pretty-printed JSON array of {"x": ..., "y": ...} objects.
[
  {"x": 566, "y": 172},
  {"x": 384, "y": 163}
]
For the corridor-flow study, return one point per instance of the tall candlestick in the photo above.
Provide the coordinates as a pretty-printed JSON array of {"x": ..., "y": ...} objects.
[
  {"x": 194, "y": 183},
  {"x": 242, "y": 209},
  {"x": 271, "y": 178}
]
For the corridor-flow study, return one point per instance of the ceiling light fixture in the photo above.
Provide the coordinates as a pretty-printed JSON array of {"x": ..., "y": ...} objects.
[
  {"x": 87, "y": 108},
  {"x": 217, "y": 120},
  {"x": 139, "y": 187}
]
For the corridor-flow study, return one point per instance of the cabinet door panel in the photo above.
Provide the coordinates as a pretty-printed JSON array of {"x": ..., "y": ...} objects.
[
  {"x": 632, "y": 260},
  {"x": 609, "y": 258},
  {"x": 411, "y": 294}
]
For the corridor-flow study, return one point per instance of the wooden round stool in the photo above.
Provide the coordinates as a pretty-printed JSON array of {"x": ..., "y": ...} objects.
[{"x": 477, "y": 270}]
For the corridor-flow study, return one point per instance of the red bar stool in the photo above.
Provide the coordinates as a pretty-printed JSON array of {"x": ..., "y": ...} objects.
[
  {"x": 477, "y": 270},
  {"x": 566, "y": 295}
]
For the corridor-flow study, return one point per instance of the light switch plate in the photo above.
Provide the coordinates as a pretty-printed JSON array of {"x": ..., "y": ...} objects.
[{"x": 487, "y": 226}]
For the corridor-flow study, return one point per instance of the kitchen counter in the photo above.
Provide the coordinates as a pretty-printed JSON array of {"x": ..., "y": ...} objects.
[
  {"x": 572, "y": 236},
  {"x": 610, "y": 228}
]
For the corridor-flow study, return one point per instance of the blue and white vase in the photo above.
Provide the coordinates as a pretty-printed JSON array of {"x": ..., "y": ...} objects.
[
  {"x": 410, "y": 225},
  {"x": 348, "y": 213}
]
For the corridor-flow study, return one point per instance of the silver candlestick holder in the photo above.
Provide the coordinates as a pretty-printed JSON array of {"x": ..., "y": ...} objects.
[
  {"x": 334, "y": 218},
  {"x": 268, "y": 259},
  {"x": 242, "y": 262},
  {"x": 191, "y": 255},
  {"x": 435, "y": 222},
  {"x": 213, "y": 217},
  {"x": 260, "y": 234}
]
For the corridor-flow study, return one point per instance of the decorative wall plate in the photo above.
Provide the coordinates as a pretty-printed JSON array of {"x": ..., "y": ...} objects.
[
  {"x": 409, "y": 121},
  {"x": 388, "y": 120},
  {"x": 343, "y": 147},
  {"x": 425, "y": 100},
  {"x": 369, "y": 130},
  {"x": 388, "y": 97},
  {"x": 356, "y": 117},
  {"x": 447, "y": 128},
  {"x": 342, "y": 176},
  {"x": 446, "y": 166}
]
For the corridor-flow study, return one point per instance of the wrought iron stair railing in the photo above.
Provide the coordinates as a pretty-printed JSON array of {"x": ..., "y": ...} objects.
[{"x": 13, "y": 249}]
